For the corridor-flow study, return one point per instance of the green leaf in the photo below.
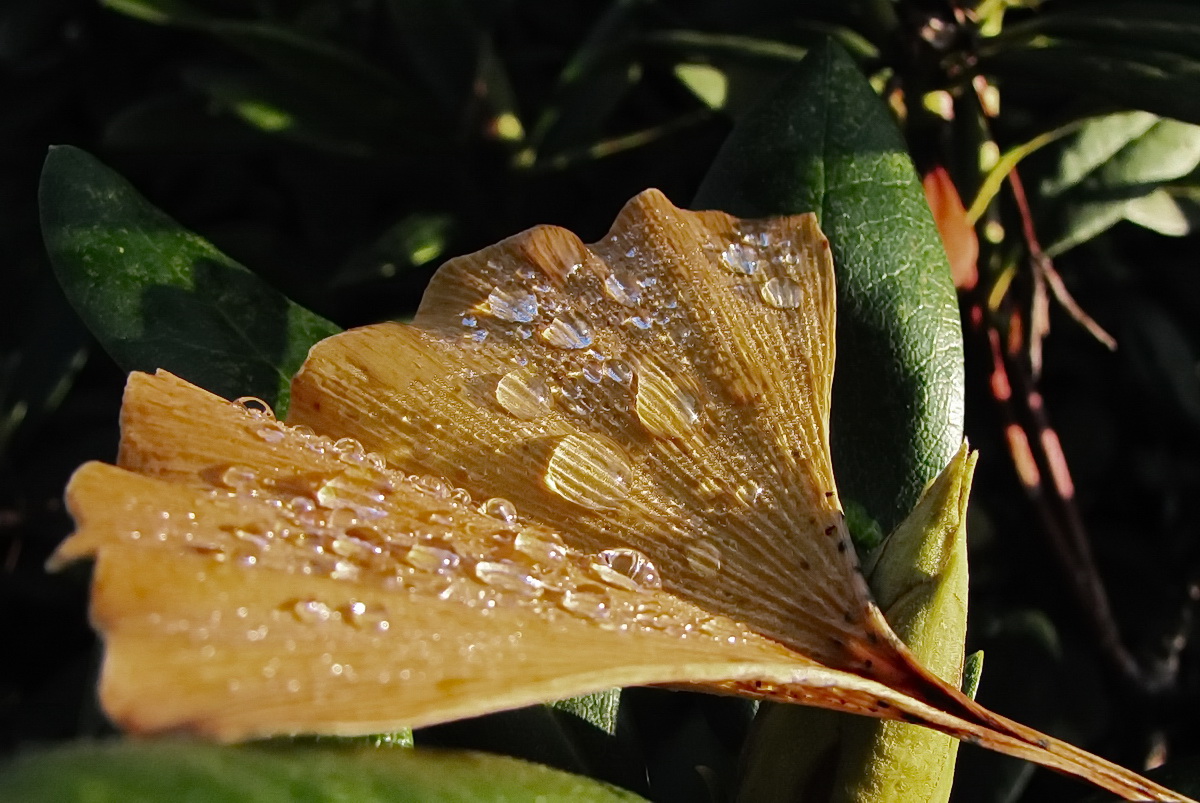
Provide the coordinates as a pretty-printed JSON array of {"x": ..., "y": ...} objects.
[
  {"x": 1090, "y": 78},
  {"x": 1113, "y": 169},
  {"x": 159, "y": 296},
  {"x": 824, "y": 142},
  {"x": 146, "y": 772}
]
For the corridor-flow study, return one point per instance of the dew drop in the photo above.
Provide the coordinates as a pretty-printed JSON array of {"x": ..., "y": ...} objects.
[
  {"x": 586, "y": 604},
  {"x": 524, "y": 393},
  {"x": 589, "y": 470},
  {"x": 507, "y": 576},
  {"x": 663, "y": 407},
  {"x": 312, "y": 611},
  {"x": 239, "y": 477},
  {"x": 568, "y": 331},
  {"x": 749, "y": 492},
  {"x": 543, "y": 551},
  {"x": 781, "y": 293},
  {"x": 500, "y": 508},
  {"x": 619, "y": 371},
  {"x": 740, "y": 258},
  {"x": 516, "y": 306},
  {"x": 270, "y": 433},
  {"x": 256, "y": 406},
  {"x": 431, "y": 559},
  {"x": 704, "y": 557},
  {"x": 622, "y": 289},
  {"x": 630, "y": 565}
]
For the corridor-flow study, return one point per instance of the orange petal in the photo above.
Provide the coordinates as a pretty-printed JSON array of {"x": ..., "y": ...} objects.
[{"x": 958, "y": 235}]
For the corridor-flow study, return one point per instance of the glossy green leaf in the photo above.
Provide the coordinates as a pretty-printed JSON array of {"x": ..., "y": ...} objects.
[
  {"x": 824, "y": 142},
  {"x": 1113, "y": 169},
  {"x": 126, "y": 772},
  {"x": 159, "y": 296}
]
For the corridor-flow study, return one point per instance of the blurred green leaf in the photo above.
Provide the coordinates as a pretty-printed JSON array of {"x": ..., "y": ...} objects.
[
  {"x": 131, "y": 772},
  {"x": 824, "y": 142},
  {"x": 159, "y": 296},
  {"x": 1112, "y": 169},
  {"x": 307, "y": 83},
  {"x": 1091, "y": 78}
]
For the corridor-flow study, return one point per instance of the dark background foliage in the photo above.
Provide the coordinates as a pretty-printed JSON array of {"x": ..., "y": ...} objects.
[{"x": 344, "y": 149}]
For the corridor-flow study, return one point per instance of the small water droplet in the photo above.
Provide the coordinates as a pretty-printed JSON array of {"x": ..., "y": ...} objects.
[
  {"x": 312, "y": 611},
  {"x": 431, "y": 559},
  {"x": 239, "y": 477},
  {"x": 506, "y": 576},
  {"x": 516, "y": 306},
  {"x": 255, "y": 406},
  {"x": 639, "y": 322},
  {"x": 740, "y": 258},
  {"x": 524, "y": 393},
  {"x": 749, "y": 492},
  {"x": 469, "y": 321},
  {"x": 542, "y": 550},
  {"x": 623, "y": 289},
  {"x": 663, "y": 407},
  {"x": 434, "y": 486},
  {"x": 704, "y": 557},
  {"x": 630, "y": 565},
  {"x": 589, "y": 470},
  {"x": 586, "y": 604},
  {"x": 781, "y": 293},
  {"x": 500, "y": 508},
  {"x": 272, "y": 433},
  {"x": 568, "y": 330},
  {"x": 619, "y": 371}
]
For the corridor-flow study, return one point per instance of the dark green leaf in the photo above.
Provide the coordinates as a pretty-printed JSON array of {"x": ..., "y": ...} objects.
[
  {"x": 197, "y": 773},
  {"x": 1090, "y": 78},
  {"x": 159, "y": 296},
  {"x": 824, "y": 142}
]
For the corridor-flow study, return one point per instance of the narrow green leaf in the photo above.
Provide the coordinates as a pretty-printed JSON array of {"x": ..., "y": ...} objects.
[
  {"x": 159, "y": 296},
  {"x": 126, "y": 772},
  {"x": 824, "y": 142}
]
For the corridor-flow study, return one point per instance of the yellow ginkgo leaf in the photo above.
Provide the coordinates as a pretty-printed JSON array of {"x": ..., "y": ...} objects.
[{"x": 581, "y": 466}]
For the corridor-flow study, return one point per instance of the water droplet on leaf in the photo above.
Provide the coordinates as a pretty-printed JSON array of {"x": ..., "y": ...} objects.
[{"x": 589, "y": 470}]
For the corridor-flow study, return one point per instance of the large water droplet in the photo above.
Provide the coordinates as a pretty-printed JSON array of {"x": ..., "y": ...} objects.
[
  {"x": 623, "y": 289},
  {"x": 634, "y": 569},
  {"x": 517, "y": 306},
  {"x": 781, "y": 293},
  {"x": 568, "y": 331},
  {"x": 589, "y": 470},
  {"x": 663, "y": 407},
  {"x": 524, "y": 393}
]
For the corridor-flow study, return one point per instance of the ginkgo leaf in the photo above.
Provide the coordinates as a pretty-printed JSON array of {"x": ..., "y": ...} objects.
[{"x": 642, "y": 426}]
